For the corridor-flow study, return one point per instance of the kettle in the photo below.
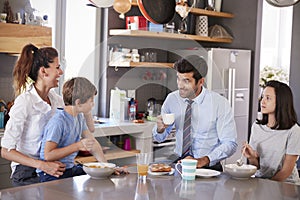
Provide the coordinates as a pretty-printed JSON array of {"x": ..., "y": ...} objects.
[{"x": 151, "y": 106}]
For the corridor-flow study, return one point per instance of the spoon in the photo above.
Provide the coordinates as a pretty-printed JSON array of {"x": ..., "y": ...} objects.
[{"x": 240, "y": 162}]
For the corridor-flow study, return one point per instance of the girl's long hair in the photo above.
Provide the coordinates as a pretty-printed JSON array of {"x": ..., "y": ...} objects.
[{"x": 285, "y": 114}]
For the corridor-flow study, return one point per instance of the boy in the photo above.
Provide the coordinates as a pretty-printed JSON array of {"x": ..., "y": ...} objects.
[{"x": 62, "y": 135}]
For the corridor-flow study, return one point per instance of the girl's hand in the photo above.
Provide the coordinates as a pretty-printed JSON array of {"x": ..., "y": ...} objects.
[{"x": 249, "y": 152}]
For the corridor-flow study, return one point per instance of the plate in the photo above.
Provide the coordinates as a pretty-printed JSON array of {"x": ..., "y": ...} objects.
[
  {"x": 161, "y": 173},
  {"x": 207, "y": 173}
]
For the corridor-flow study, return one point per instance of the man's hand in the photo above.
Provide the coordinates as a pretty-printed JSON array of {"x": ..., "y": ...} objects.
[
  {"x": 204, "y": 161},
  {"x": 160, "y": 125}
]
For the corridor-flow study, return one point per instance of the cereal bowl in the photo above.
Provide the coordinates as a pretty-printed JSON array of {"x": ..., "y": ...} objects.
[
  {"x": 98, "y": 170},
  {"x": 240, "y": 172}
]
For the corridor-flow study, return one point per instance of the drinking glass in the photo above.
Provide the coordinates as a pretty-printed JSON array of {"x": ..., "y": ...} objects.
[{"x": 143, "y": 161}]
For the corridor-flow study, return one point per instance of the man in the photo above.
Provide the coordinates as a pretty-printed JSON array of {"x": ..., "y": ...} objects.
[{"x": 204, "y": 121}]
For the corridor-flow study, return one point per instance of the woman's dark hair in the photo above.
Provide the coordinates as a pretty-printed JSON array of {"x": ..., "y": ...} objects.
[
  {"x": 285, "y": 114},
  {"x": 78, "y": 88},
  {"x": 192, "y": 63},
  {"x": 29, "y": 63}
]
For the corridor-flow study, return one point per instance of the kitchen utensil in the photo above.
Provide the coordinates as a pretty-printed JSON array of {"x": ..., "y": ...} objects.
[
  {"x": 168, "y": 118},
  {"x": 188, "y": 169},
  {"x": 240, "y": 162},
  {"x": 240, "y": 172},
  {"x": 207, "y": 173},
  {"x": 157, "y": 12},
  {"x": 99, "y": 170},
  {"x": 282, "y": 3}
]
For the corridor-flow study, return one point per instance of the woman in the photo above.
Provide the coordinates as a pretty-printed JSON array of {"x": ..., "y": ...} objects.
[
  {"x": 35, "y": 74},
  {"x": 275, "y": 139}
]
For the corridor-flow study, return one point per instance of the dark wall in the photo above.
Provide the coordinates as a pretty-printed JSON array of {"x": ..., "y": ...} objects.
[
  {"x": 244, "y": 27},
  {"x": 295, "y": 59}
]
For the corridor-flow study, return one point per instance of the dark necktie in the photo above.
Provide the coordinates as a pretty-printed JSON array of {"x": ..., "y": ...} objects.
[{"x": 187, "y": 129}]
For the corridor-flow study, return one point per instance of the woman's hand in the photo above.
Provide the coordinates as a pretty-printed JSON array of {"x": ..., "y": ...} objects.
[{"x": 55, "y": 168}]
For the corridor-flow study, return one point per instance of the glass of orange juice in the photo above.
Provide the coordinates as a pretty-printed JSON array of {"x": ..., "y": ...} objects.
[{"x": 143, "y": 161}]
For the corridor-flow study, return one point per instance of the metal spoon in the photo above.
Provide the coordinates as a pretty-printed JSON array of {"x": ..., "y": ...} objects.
[{"x": 240, "y": 162}]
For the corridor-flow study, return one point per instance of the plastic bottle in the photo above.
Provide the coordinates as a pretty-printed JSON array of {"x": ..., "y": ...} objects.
[{"x": 132, "y": 109}]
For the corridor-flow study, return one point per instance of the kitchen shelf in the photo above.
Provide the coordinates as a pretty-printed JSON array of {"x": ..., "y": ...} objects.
[
  {"x": 109, "y": 155},
  {"x": 141, "y": 64},
  {"x": 199, "y": 11},
  {"x": 13, "y": 37},
  {"x": 165, "y": 35}
]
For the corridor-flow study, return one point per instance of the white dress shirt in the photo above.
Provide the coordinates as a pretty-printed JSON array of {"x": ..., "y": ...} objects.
[
  {"x": 213, "y": 128},
  {"x": 28, "y": 116}
]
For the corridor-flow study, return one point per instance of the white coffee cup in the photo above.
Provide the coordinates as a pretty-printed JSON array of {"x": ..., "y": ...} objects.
[
  {"x": 188, "y": 169},
  {"x": 168, "y": 118}
]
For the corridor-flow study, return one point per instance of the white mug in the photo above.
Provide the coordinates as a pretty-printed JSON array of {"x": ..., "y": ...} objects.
[
  {"x": 188, "y": 169},
  {"x": 168, "y": 118}
]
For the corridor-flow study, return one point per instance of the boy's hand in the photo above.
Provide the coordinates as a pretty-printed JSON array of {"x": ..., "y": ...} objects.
[{"x": 86, "y": 144}]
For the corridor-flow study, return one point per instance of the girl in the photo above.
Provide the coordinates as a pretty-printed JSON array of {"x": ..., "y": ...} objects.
[{"x": 274, "y": 144}]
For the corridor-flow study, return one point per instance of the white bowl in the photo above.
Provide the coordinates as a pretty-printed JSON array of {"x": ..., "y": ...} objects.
[
  {"x": 240, "y": 172},
  {"x": 99, "y": 170}
]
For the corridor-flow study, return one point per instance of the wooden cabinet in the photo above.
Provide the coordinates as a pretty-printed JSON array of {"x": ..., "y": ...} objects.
[{"x": 13, "y": 37}]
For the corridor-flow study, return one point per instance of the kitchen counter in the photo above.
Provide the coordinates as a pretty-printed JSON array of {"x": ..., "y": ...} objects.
[
  {"x": 157, "y": 187},
  {"x": 142, "y": 132}
]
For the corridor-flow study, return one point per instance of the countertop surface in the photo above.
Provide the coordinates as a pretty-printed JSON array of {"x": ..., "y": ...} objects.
[{"x": 157, "y": 187}]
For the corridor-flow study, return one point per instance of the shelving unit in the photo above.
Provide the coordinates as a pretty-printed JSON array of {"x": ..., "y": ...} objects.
[
  {"x": 142, "y": 64},
  {"x": 200, "y": 11},
  {"x": 13, "y": 37},
  {"x": 165, "y": 35}
]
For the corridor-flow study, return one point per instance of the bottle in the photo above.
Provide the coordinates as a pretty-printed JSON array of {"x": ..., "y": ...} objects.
[
  {"x": 132, "y": 109},
  {"x": 135, "y": 56}
]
